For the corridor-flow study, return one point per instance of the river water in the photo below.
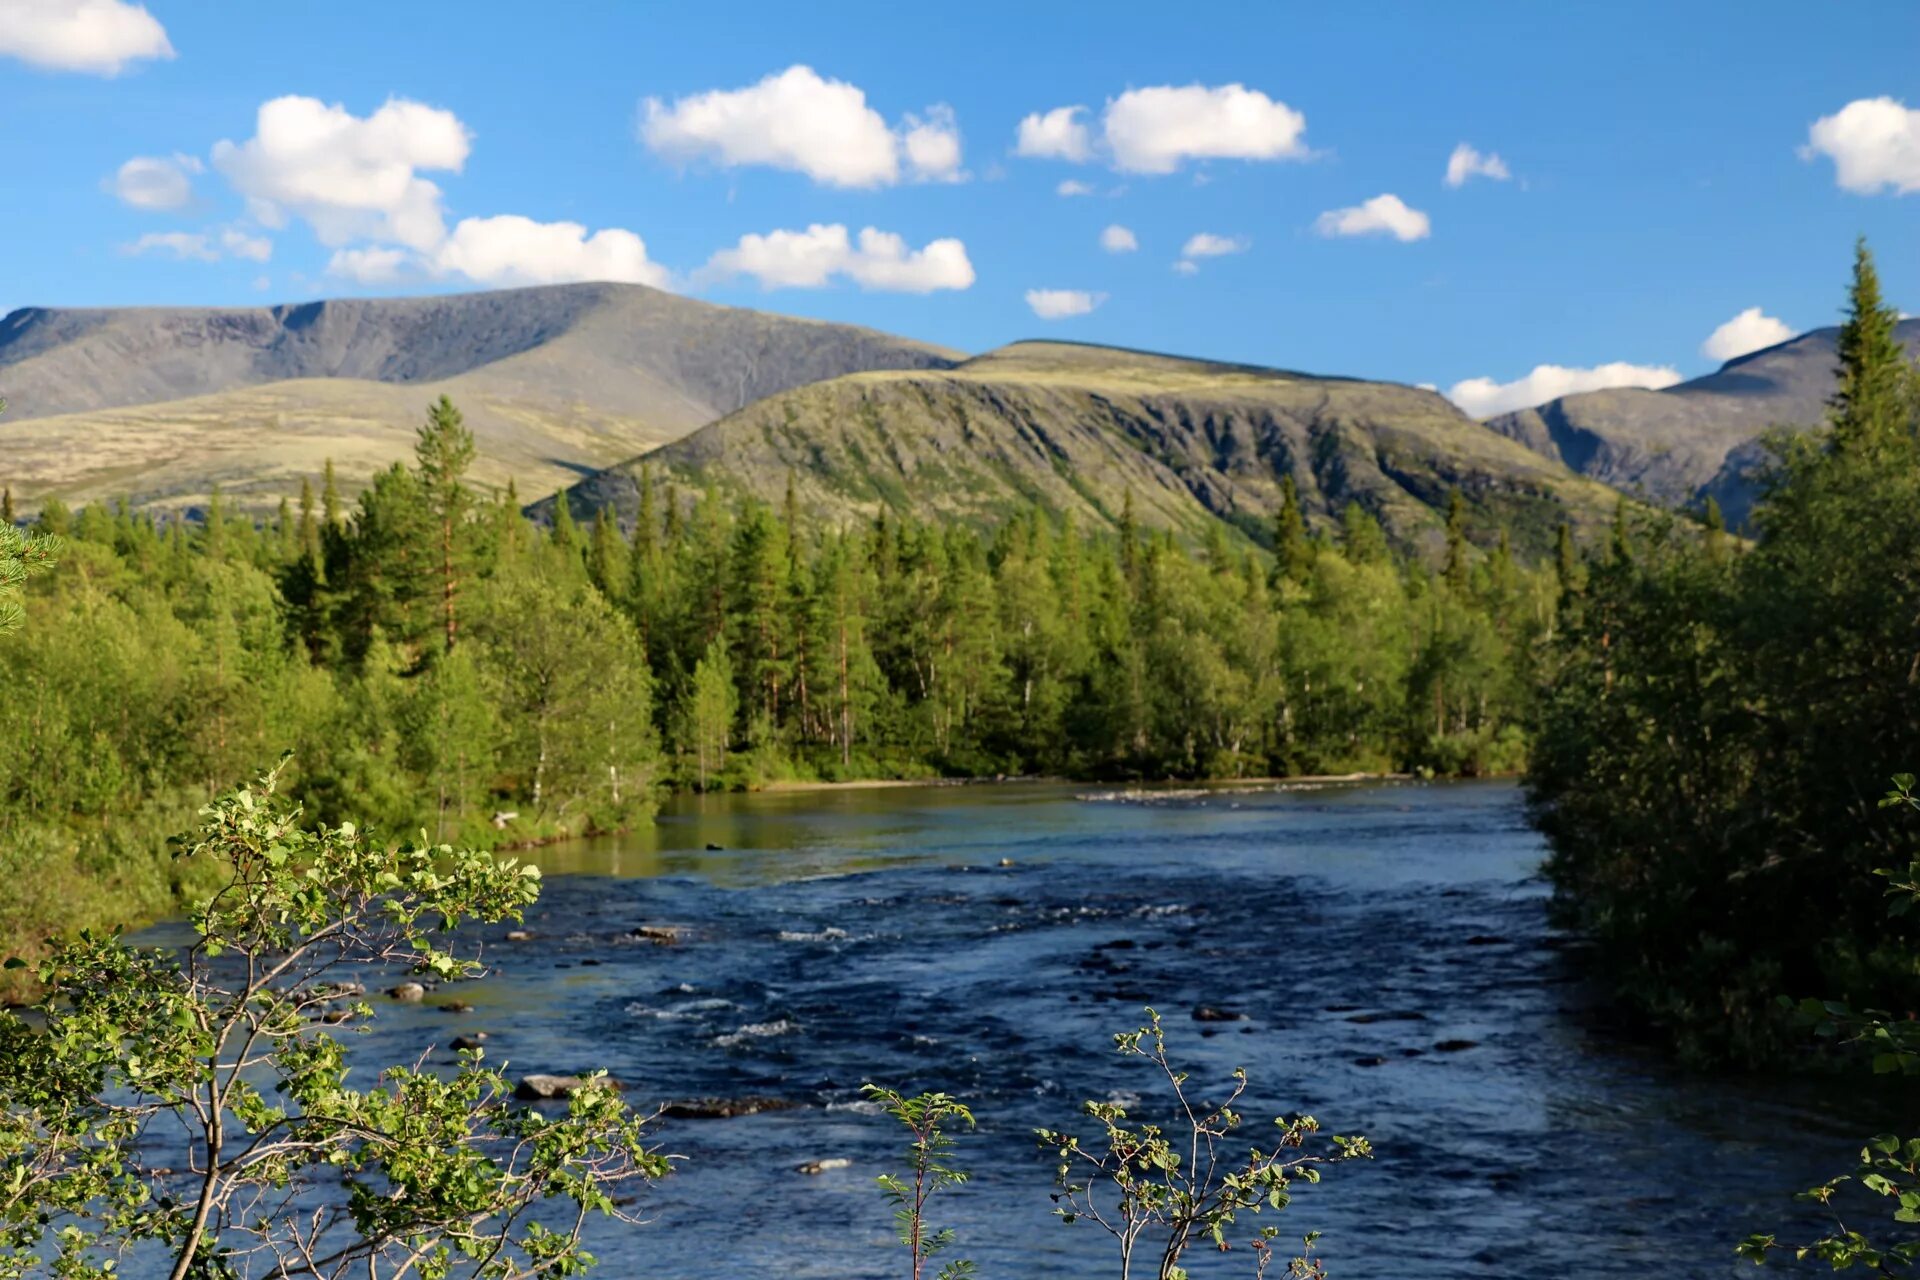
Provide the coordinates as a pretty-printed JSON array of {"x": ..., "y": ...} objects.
[{"x": 835, "y": 937}]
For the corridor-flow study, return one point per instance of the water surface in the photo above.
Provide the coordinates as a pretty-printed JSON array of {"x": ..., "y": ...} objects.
[{"x": 835, "y": 937}]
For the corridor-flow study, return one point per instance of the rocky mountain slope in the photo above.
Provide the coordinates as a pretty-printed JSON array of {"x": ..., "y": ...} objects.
[
  {"x": 1692, "y": 439},
  {"x": 1075, "y": 429},
  {"x": 160, "y": 403}
]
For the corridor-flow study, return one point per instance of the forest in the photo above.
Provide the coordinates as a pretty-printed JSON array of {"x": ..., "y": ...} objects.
[
  {"x": 1712, "y": 749},
  {"x": 434, "y": 661}
]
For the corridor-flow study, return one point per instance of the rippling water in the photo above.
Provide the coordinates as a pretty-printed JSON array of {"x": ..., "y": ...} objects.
[{"x": 838, "y": 937}]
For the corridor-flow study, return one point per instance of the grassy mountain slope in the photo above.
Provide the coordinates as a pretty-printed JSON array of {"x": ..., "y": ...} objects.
[
  {"x": 1075, "y": 428},
  {"x": 159, "y": 403},
  {"x": 1697, "y": 437}
]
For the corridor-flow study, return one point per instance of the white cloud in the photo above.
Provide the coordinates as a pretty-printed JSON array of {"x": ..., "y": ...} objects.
[
  {"x": 512, "y": 250},
  {"x": 1747, "y": 332},
  {"x": 1186, "y": 267},
  {"x": 798, "y": 120},
  {"x": 1382, "y": 215},
  {"x": 1205, "y": 244},
  {"x": 1874, "y": 143},
  {"x": 351, "y": 178},
  {"x": 1073, "y": 187},
  {"x": 96, "y": 36},
  {"x": 1118, "y": 239},
  {"x": 810, "y": 259},
  {"x": 181, "y": 245},
  {"x": 1154, "y": 130},
  {"x": 202, "y": 246},
  {"x": 933, "y": 145},
  {"x": 1058, "y": 134},
  {"x": 157, "y": 182},
  {"x": 239, "y": 244},
  {"x": 372, "y": 265},
  {"x": 1467, "y": 162},
  {"x": 1060, "y": 304},
  {"x": 1483, "y": 397}
]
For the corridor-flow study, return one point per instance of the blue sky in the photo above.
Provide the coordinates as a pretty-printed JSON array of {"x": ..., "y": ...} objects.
[{"x": 1667, "y": 167}]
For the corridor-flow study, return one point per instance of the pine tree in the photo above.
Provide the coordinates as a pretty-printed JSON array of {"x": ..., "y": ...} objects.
[
  {"x": 443, "y": 451},
  {"x": 1291, "y": 550},
  {"x": 1129, "y": 535},
  {"x": 1868, "y": 409},
  {"x": 7, "y": 516}
]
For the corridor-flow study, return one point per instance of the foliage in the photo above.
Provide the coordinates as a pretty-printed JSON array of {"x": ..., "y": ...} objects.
[
  {"x": 198, "y": 1105},
  {"x": 1165, "y": 1189},
  {"x": 927, "y": 1117},
  {"x": 436, "y": 662},
  {"x": 1889, "y": 1166},
  {"x": 1708, "y": 711}
]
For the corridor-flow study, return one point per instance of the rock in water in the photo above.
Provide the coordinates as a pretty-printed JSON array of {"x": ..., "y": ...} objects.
[
  {"x": 1207, "y": 1013},
  {"x": 815, "y": 1167},
  {"x": 408, "y": 993},
  {"x": 540, "y": 1088}
]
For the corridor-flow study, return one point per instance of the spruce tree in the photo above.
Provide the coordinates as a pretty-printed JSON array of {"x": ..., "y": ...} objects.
[
  {"x": 566, "y": 535},
  {"x": 1458, "y": 566},
  {"x": 1291, "y": 549},
  {"x": 330, "y": 498},
  {"x": 7, "y": 515},
  {"x": 1868, "y": 408}
]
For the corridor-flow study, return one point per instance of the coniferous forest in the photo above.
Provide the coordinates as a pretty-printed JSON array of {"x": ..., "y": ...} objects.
[{"x": 433, "y": 660}]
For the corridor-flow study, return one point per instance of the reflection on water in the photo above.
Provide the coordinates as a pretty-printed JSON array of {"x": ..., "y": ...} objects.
[{"x": 1387, "y": 944}]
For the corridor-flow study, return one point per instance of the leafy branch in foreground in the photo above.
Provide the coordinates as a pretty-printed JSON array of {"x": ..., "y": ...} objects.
[
  {"x": 1142, "y": 1183},
  {"x": 926, "y": 1116},
  {"x": 198, "y": 1103},
  {"x": 1889, "y": 1166}
]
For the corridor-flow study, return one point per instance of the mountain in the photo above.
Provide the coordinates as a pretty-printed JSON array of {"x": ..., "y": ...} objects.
[
  {"x": 161, "y": 403},
  {"x": 1075, "y": 429},
  {"x": 1696, "y": 438}
]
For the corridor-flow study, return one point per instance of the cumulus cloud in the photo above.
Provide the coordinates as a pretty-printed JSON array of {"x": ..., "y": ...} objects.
[
  {"x": 1154, "y": 130},
  {"x": 1205, "y": 244},
  {"x": 96, "y": 36},
  {"x": 1073, "y": 187},
  {"x": 810, "y": 259},
  {"x": 1118, "y": 239},
  {"x": 800, "y": 121},
  {"x": 349, "y": 177},
  {"x": 1382, "y": 215},
  {"x": 158, "y": 183},
  {"x": 932, "y": 145},
  {"x": 512, "y": 250},
  {"x": 1058, "y": 134},
  {"x": 1060, "y": 304},
  {"x": 1874, "y": 144},
  {"x": 1186, "y": 267},
  {"x": 1467, "y": 162},
  {"x": 1749, "y": 331},
  {"x": 1483, "y": 397},
  {"x": 373, "y": 265},
  {"x": 202, "y": 246}
]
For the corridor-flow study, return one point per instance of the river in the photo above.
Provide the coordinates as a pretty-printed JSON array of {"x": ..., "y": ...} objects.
[{"x": 989, "y": 940}]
